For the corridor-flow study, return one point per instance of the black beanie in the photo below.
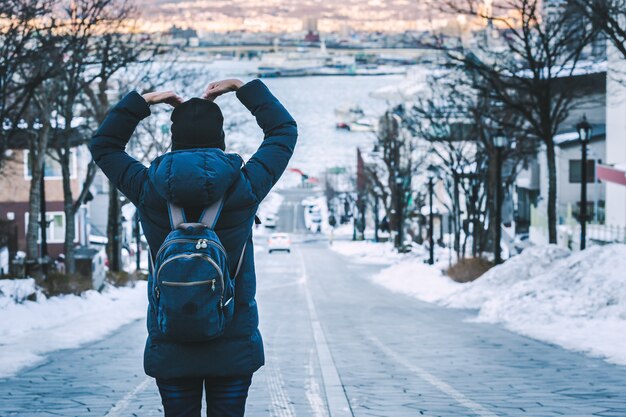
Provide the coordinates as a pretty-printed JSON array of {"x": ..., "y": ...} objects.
[{"x": 197, "y": 123}]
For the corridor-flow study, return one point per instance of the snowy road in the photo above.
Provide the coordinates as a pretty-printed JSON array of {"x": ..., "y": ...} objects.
[{"x": 334, "y": 338}]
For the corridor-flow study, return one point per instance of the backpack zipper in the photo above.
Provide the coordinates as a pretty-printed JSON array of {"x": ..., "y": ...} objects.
[
  {"x": 188, "y": 240},
  {"x": 190, "y": 284},
  {"x": 192, "y": 255}
]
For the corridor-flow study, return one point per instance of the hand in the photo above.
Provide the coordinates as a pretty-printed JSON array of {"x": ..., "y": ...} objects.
[
  {"x": 168, "y": 97},
  {"x": 217, "y": 88}
]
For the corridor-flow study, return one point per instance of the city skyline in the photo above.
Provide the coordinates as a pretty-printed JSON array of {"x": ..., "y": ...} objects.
[{"x": 288, "y": 15}]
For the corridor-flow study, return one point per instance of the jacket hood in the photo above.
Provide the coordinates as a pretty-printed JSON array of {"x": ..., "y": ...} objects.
[{"x": 194, "y": 178}]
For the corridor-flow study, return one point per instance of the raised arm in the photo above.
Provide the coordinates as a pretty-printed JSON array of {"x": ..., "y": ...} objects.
[
  {"x": 280, "y": 135},
  {"x": 108, "y": 144}
]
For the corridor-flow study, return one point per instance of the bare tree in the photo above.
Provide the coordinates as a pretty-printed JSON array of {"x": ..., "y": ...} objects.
[
  {"x": 94, "y": 49},
  {"x": 29, "y": 54},
  {"x": 459, "y": 125},
  {"x": 520, "y": 66},
  {"x": 396, "y": 160},
  {"x": 609, "y": 16}
]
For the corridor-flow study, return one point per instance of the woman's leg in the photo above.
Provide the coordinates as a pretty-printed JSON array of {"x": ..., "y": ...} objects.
[
  {"x": 226, "y": 397},
  {"x": 181, "y": 397}
]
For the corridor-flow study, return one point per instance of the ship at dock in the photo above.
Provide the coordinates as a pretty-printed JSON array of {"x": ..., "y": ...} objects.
[{"x": 317, "y": 62}]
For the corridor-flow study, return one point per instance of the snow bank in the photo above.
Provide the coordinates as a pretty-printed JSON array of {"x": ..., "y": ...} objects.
[
  {"x": 414, "y": 277},
  {"x": 579, "y": 302},
  {"x": 14, "y": 291},
  {"x": 29, "y": 329},
  {"x": 576, "y": 300},
  {"x": 532, "y": 262},
  {"x": 368, "y": 252}
]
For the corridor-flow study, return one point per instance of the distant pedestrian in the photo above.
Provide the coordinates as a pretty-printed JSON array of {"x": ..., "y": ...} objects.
[
  {"x": 59, "y": 263},
  {"x": 199, "y": 185}
]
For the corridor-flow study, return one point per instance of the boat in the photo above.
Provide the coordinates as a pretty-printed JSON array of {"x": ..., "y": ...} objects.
[
  {"x": 306, "y": 62},
  {"x": 352, "y": 118}
]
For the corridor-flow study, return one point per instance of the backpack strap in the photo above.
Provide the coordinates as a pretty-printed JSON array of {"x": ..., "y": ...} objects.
[
  {"x": 210, "y": 214},
  {"x": 208, "y": 217},
  {"x": 243, "y": 252},
  {"x": 177, "y": 215}
]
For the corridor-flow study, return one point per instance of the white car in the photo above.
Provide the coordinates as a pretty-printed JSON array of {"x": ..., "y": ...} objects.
[
  {"x": 309, "y": 201},
  {"x": 279, "y": 242}
]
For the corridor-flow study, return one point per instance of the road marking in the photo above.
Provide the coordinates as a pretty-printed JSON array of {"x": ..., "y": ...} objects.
[
  {"x": 122, "y": 404},
  {"x": 476, "y": 408},
  {"x": 336, "y": 397},
  {"x": 281, "y": 403},
  {"x": 313, "y": 394},
  {"x": 279, "y": 286}
]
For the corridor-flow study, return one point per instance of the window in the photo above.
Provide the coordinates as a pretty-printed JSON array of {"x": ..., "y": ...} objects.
[
  {"x": 55, "y": 232},
  {"x": 575, "y": 166},
  {"x": 52, "y": 167}
]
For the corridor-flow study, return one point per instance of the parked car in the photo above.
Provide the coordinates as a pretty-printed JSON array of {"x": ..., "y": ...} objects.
[
  {"x": 279, "y": 242},
  {"x": 309, "y": 201},
  {"x": 270, "y": 222},
  {"x": 316, "y": 222}
]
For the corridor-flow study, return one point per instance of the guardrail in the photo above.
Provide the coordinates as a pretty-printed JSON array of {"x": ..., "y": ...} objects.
[{"x": 600, "y": 234}]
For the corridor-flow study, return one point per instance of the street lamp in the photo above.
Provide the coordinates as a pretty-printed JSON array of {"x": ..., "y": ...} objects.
[
  {"x": 400, "y": 209},
  {"x": 584, "y": 134},
  {"x": 500, "y": 142},
  {"x": 431, "y": 172}
]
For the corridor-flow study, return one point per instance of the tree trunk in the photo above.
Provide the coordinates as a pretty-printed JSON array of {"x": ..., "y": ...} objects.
[
  {"x": 68, "y": 209},
  {"x": 114, "y": 230},
  {"x": 34, "y": 206},
  {"x": 552, "y": 220},
  {"x": 457, "y": 217},
  {"x": 37, "y": 154},
  {"x": 490, "y": 194}
]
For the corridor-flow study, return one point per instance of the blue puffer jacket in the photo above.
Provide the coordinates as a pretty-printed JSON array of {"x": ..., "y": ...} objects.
[{"x": 194, "y": 179}]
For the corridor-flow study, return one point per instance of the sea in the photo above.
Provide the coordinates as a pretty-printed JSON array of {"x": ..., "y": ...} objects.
[{"x": 312, "y": 102}]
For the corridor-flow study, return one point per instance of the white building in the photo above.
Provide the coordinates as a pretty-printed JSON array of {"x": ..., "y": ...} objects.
[{"x": 616, "y": 138}]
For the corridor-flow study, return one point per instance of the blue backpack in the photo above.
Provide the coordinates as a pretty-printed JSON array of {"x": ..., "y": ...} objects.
[{"x": 193, "y": 291}]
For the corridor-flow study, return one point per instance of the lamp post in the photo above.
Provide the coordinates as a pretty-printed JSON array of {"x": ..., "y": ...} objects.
[
  {"x": 399, "y": 209},
  {"x": 584, "y": 134},
  {"x": 500, "y": 142},
  {"x": 432, "y": 173}
]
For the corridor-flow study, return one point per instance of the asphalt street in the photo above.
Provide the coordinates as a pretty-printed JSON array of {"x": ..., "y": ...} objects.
[{"x": 339, "y": 345}]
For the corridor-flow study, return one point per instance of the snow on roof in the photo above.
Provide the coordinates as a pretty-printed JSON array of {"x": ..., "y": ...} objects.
[
  {"x": 582, "y": 68},
  {"x": 566, "y": 138}
]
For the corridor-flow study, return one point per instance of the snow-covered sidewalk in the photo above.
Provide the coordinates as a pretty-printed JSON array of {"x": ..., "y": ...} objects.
[
  {"x": 573, "y": 299},
  {"x": 30, "y": 329}
]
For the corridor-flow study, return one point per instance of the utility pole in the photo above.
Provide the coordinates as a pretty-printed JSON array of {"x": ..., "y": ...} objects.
[
  {"x": 399, "y": 211},
  {"x": 376, "y": 220},
  {"x": 431, "y": 231}
]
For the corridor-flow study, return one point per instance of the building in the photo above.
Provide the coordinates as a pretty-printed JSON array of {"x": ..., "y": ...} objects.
[
  {"x": 569, "y": 176},
  {"x": 532, "y": 184},
  {"x": 615, "y": 171},
  {"x": 15, "y": 188}
]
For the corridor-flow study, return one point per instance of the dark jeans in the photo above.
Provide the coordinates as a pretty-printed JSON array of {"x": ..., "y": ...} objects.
[{"x": 225, "y": 397}]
